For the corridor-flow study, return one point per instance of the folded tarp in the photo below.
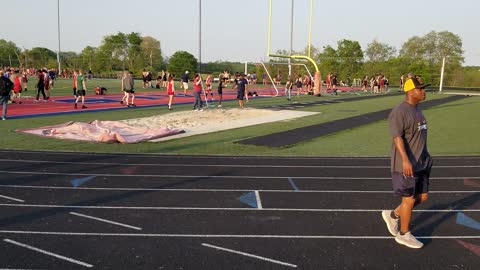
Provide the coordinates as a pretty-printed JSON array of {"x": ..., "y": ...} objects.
[{"x": 102, "y": 131}]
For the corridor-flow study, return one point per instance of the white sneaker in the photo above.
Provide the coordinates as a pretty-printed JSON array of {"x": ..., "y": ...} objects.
[
  {"x": 219, "y": 106},
  {"x": 392, "y": 224},
  {"x": 408, "y": 240}
]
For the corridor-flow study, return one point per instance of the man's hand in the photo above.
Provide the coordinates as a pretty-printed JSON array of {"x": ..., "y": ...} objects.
[{"x": 407, "y": 168}]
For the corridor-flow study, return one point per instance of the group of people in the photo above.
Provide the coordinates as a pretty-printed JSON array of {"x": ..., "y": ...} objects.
[
  {"x": 377, "y": 84},
  {"x": 15, "y": 81}
]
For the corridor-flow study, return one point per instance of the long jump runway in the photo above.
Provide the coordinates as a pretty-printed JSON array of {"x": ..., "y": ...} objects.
[{"x": 79, "y": 211}]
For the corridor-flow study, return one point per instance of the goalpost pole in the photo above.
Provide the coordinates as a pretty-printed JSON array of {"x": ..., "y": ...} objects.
[{"x": 441, "y": 76}]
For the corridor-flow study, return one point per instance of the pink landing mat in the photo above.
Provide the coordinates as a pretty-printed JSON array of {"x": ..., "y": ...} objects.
[{"x": 102, "y": 131}]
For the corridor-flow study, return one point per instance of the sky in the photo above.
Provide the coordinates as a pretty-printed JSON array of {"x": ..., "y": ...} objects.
[{"x": 237, "y": 30}]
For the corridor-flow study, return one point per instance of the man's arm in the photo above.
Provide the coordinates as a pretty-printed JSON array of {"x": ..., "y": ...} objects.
[{"x": 407, "y": 165}]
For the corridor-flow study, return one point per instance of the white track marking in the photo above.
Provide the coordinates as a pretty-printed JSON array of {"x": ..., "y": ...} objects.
[
  {"x": 48, "y": 253},
  {"x": 223, "y": 157},
  {"x": 10, "y": 198},
  {"x": 225, "y": 209},
  {"x": 106, "y": 221},
  {"x": 271, "y": 236},
  {"x": 259, "y": 201},
  {"x": 228, "y": 176},
  {"x": 249, "y": 255},
  {"x": 226, "y": 190},
  {"x": 228, "y": 165}
]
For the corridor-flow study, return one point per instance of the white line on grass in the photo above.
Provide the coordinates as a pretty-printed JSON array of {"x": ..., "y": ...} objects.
[
  {"x": 229, "y": 176},
  {"x": 249, "y": 255},
  {"x": 48, "y": 253},
  {"x": 107, "y": 221},
  {"x": 259, "y": 201},
  {"x": 226, "y": 190},
  {"x": 267, "y": 236},
  {"x": 229, "y": 165},
  {"x": 226, "y": 209},
  {"x": 12, "y": 199}
]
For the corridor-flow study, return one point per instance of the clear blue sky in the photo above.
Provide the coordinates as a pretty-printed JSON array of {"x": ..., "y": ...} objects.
[{"x": 237, "y": 30}]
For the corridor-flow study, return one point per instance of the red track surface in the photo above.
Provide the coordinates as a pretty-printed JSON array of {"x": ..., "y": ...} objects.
[{"x": 64, "y": 104}]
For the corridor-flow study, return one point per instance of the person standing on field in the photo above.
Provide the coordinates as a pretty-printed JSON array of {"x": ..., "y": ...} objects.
[
  {"x": 197, "y": 91},
  {"x": 5, "y": 87},
  {"x": 81, "y": 89},
  {"x": 171, "y": 90},
  {"x": 242, "y": 89},
  {"x": 127, "y": 87},
  {"x": 410, "y": 161}
]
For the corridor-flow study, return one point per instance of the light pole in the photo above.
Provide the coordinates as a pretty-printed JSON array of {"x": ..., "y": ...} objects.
[
  {"x": 291, "y": 44},
  {"x": 58, "y": 24},
  {"x": 199, "y": 35}
]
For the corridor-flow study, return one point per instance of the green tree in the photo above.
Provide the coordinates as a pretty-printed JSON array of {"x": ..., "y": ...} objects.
[
  {"x": 379, "y": 52},
  {"x": 152, "y": 53},
  {"x": 42, "y": 57},
  {"x": 10, "y": 54},
  {"x": 350, "y": 58},
  {"x": 182, "y": 61},
  {"x": 328, "y": 60},
  {"x": 428, "y": 52},
  {"x": 88, "y": 56}
]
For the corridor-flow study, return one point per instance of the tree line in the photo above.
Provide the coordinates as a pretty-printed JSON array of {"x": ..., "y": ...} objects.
[{"x": 421, "y": 55}]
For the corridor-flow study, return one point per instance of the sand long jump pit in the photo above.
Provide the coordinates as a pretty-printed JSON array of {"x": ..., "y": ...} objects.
[
  {"x": 212, "y": 120},
  {"x": 164, "y": 127}
]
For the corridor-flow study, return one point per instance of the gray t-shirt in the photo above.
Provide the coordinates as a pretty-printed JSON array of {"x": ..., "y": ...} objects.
[
  {"x": 407, "y": 121},
  {"x": 128, "y": 83}
]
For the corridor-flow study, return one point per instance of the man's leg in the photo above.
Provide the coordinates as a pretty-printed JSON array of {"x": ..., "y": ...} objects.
[
  {"x": 405, "y": 237},
  {"x": 4, "y": 107}
]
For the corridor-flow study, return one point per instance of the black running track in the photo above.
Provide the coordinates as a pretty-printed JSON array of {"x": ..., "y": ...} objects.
[{"x": 79, "y": 211}]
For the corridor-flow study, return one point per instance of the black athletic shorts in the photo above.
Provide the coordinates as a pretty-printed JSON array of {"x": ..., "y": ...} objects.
[
  {"x": 240, "y": 95},
  {"x": 220, "y": 91},
  {"x": 129, "y": 91},
  {"x": 410, "y": 186},
  {"x": 81, "y": 93}
]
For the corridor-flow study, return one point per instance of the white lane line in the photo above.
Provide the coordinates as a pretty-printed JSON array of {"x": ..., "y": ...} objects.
[
  {"x": 106, "y": 221},
  {"x": 249, "y": 255},
  {"x": 232, "y": 165},
  {"x": 48, "y": 253},
  {"x": 225, "y": 209},
  {"x": 268, "y": 236},
  {"x": 227, "y": 190},
  {"x": 10, "y": 198},
  {"x": 259, "y": 201},
  {"x": 230, "y": 176}
]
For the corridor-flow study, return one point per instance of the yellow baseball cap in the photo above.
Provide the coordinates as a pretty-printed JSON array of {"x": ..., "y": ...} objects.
[{"x": 414, "y": 83}]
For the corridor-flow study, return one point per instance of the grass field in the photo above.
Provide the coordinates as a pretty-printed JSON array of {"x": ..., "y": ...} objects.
[{"x": 453, "y": 128}]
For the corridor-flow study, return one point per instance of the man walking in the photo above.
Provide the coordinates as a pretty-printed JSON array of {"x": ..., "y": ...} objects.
[{"x": 410, "y": 161}]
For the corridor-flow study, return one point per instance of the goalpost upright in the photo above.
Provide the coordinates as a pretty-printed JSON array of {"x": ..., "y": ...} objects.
[{"x": 318, "y": 82}]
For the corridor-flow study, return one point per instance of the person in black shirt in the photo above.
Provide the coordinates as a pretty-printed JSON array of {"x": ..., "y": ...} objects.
[
  {"x": 241, "y": 86},
  {"x": 41, "y": 86}
]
